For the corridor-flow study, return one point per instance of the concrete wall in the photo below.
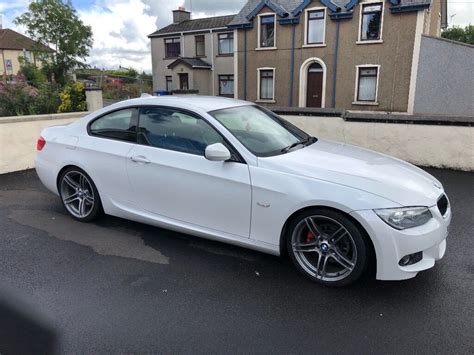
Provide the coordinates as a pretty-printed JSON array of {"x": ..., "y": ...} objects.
[
  {"x": 445, "y": 79},
  {"x": 394, "y": 55},
  {"x": 423, "y": 144},
  {"x": 18, "y": 136}
]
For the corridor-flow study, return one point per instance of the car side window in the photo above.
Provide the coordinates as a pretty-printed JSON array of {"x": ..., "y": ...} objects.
[
  {"x": 172, "y": 129},
  {"x": 120, "y": 125}
]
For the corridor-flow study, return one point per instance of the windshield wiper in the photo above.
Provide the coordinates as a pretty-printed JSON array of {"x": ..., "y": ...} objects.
[{"x": 305, "y": 142}]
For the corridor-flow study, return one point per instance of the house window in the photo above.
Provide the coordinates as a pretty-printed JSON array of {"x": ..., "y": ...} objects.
[
  {"x": 266, "y": 84},
  {"x": 200, "y": 46},
  {"x": 226, "y": 85},
  {"x": 315, "y": 27},
  {"x": 267, "y": 31},
  {"x": 367, "y": 82},
  {"x": 371, "y": 23},
  {"x": 169, "y": 83},
  {"x": 28, "y": 56},
  {"x": 226, "y": 43},
  {"x": 172, "y": 47}
]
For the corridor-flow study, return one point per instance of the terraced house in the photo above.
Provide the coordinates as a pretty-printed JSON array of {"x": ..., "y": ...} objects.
[{"x": 358, "y": 55}]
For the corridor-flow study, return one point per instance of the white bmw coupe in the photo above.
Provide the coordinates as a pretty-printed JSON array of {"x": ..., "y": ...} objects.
[{"x": 233, "y": 171}]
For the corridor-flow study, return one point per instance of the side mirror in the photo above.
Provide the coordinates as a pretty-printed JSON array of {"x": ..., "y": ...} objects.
[{"x": 217, "y": 152}]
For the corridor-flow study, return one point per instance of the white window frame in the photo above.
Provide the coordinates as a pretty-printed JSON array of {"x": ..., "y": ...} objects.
[
  {"x": 181, "y": 46},
  {"x": 356, "y": 88},
  {"x": 219, "y": 43},
  {"x": 306, "y": 44},
  {"x": 361, "y": 6},
  {"x": 259, "y": 32},
  {"x": 258, "y": 85},
  {"x": 195, "y": 46}
]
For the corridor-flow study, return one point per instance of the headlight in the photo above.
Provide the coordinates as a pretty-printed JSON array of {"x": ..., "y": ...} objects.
[{"x": 406, "y": 217}]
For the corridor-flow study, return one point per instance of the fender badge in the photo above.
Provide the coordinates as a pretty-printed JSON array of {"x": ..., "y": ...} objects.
[{"x": 264, "y": 205}]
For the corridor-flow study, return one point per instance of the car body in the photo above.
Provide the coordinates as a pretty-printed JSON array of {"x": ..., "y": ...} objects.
[{"x": 250, "y": 199}]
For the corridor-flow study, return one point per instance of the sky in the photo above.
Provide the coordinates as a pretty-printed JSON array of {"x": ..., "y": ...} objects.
[{"x": 121, "y": 27}]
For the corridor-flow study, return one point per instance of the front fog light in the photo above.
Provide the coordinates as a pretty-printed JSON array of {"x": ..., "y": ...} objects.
[
  {"x": 406, "y": 217},
  {"x": 411, "y": 259}
]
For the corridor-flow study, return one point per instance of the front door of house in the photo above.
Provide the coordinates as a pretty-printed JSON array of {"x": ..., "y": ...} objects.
[
  {"x": 314, "y": 89},
  {"x": 183, "y": 81}
]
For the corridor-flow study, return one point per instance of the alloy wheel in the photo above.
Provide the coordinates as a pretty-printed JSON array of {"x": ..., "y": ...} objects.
[
  {"x": 324, "y": 248},
  {"x": 77, "y": 194}
]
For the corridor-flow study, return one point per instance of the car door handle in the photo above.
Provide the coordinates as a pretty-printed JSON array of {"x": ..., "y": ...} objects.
[{"x": 140, "y": 159}]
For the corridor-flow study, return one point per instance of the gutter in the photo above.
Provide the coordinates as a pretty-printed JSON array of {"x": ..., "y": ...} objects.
[
  {"x": 166, "y": 34},
  {"x": 408, "y": 8}
]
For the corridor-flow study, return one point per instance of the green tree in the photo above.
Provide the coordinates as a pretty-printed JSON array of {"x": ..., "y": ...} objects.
[
  {"x": 33, "y": 75},
  {"x": 55, "y": 23},
  {"x": 460, "y": 34}
]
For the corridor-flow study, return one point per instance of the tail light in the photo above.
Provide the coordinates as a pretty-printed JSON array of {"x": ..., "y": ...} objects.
[{"x": 40, "y": 143}]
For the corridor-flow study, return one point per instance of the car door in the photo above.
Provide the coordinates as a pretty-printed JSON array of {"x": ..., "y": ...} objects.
[
  {"x": 105, "y": 152},
  {"x": 171, "y": 177}
]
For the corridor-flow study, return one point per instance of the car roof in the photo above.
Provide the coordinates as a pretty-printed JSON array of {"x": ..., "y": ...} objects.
[{"x": 206, "y": 103}]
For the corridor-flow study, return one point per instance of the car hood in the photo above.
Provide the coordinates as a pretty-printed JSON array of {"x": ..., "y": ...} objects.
[{"x": 360, "y": 168}]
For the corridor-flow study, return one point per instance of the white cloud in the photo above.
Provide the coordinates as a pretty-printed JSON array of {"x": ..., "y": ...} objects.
[
  {"x": 463, "y": 11},
  {"x": 120, "y": 34}
]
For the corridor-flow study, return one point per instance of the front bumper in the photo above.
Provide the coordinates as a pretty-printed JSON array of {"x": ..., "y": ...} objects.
[{"x": 391, "y": 245}]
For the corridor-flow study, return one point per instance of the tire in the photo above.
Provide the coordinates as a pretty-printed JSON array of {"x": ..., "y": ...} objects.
[
  {"x": 79, "y": 194},
  {"x": 327, "y": 247}
]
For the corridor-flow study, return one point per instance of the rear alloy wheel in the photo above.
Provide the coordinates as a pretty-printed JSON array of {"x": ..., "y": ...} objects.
[
  {"x": 327, "y": 247},
  {"x": 79, "y": 195}
]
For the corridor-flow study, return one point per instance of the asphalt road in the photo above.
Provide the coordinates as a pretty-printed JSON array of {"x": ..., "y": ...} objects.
[{"x": 119, "y": 286}]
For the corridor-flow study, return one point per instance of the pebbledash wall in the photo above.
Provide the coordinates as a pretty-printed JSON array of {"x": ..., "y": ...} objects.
[
  {"x": 426, "y": 141},
  {"x": 445, "y": 79}
]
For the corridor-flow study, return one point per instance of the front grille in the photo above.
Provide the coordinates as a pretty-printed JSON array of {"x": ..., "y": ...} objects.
[{"x": 443, "y": 205}]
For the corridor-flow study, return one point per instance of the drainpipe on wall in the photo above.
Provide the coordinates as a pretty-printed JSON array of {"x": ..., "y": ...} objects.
[
  {"x": 212, "y": 64},
  {"x": 245, "y": 64},
  {"x": 4, "y": 64},
  {"x": 334, "y": 72},
  {"x": 292, "y": 65},
  {"x": 444, "y": 14}
]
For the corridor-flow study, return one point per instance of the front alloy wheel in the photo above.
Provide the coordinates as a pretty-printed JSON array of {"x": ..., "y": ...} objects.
[
  {"x": 327, "y": 247},
  {"x": 79, "y": 194}
]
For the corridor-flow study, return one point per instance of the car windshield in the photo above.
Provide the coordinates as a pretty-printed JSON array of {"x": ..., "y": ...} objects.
[{"x": 261, "y": 131}]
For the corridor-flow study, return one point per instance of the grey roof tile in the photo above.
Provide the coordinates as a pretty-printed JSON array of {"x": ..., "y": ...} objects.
[
  {"x": 10, "y": 39},
  {"x": 194, "y": 63},
  {"x": 195, "y": 25}
]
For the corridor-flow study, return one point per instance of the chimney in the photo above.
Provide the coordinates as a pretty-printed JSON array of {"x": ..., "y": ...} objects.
[
  {"x": 1, "y": 22},
  {"x": 181, "y": 15},
  {"x": 444, "y": 14}
]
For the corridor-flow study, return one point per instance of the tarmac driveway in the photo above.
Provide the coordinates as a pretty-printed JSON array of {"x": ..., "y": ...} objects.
[{"x": 119, "y": 286}]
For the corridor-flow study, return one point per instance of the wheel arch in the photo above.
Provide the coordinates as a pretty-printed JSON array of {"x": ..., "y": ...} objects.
[
  {"x": 72, "y": 165},
  {"x": 366, "y": 235}
]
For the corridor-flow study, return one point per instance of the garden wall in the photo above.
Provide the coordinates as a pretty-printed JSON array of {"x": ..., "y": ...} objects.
[{"x": 426, "y": 140}]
